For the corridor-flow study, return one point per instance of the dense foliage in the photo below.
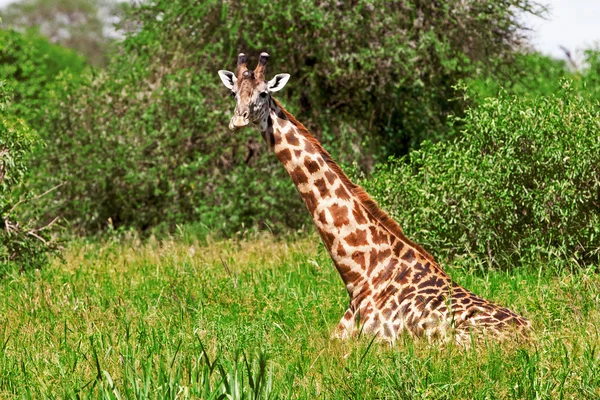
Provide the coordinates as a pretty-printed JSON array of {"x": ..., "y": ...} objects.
[
  {"x": 29, "y": 63},
  {"x": 384, "y": 68},
  {"x": 521, "y": 183},
  {"x": 21, "y": 245},
  {"x": 29, "y": 66},
  {"x": 145, "y": 142},
  {"x": 140, "y": 153}
]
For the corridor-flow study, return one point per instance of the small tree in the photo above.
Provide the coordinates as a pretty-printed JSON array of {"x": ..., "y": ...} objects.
[{"x": 21, "y": 245}]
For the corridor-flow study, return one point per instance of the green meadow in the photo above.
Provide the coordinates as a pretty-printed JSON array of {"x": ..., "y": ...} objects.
[{"x": 251, "y": 318}]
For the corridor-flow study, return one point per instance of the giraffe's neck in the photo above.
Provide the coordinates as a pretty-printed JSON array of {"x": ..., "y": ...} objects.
[{"x": 362, "y": 241}]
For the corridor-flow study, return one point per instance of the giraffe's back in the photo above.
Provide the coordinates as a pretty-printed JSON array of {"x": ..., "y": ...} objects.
[{"x": 420, "y": 298}]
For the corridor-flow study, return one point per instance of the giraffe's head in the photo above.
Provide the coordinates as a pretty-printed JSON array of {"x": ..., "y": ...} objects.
[{"x": 252, "y": 92}]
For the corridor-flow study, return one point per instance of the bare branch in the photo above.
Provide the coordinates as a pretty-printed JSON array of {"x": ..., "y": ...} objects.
[
  {"x": 36, "y": 197},
  {"x": 35, "y": 235},
  {"x": 46, "y": 226}
]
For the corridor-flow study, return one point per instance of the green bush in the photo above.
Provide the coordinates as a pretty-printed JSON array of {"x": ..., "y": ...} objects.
[
  {"x": 522, "y": 182},
  {"x": 146, "y": 142},
  {"x": 21, "y": 245},
  {"x": 590, "y": 77},
  {"x": 29, "y": 63},
  {"x": 136, "y": 153}
]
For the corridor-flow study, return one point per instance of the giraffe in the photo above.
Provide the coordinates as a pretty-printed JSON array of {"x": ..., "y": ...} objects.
[{"x": 395, "y": 286}]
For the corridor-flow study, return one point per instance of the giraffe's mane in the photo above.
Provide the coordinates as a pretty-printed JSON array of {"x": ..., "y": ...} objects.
[{"x": 359, "y": 193}]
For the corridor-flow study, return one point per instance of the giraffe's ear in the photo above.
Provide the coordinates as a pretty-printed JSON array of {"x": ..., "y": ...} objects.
[
  {"x": 228, "y": 78},
  {"x": 277, "y": 83}
]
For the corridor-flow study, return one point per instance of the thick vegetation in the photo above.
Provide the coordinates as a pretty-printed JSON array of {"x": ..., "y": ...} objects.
[
  {"x": 22, "y": 245},
  {"x": 145, "y": 142},
  {"x": 29, "y": 63},
  {"x": 82, "y": 25},
  {"x": 520, "y": 183}
]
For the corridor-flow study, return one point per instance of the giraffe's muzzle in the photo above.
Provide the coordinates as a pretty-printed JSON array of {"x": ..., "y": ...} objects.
[{"x": 239, "y": 121}]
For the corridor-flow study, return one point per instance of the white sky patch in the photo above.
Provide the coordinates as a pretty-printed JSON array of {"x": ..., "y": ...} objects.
[{"x": 574, "y": 24}]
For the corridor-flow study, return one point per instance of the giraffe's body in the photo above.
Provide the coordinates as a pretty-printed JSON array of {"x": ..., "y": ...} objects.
[{"x": 394, "y": 285}]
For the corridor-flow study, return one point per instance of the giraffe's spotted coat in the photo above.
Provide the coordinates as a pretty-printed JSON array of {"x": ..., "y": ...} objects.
[{"x": 393, "y": 284}]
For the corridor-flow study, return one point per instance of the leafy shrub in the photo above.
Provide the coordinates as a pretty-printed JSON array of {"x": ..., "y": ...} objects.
[
  {"x": 146, "y": 142},
  {"x": 522, "y": 182},
  {"x": 139, "y": 153},
  {"x": 29, "y": 63},
  {"x": 21, "y": 245}
]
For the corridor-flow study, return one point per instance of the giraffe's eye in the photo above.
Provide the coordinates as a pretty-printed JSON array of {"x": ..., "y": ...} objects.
[
  {"x": 232, "y": 94},
  {"x": 263, "y": 95}
]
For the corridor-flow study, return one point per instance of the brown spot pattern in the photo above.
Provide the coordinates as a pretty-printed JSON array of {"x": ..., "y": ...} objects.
[
  {"x": 322, "y": 187},
  {"x": 311, "y": 165},
  {"x": 398, "y": 246},
  {"x": 373, "y": 258},
  {"x": 348, "y": 315},
  {"x": 291, "y": 138},
  {"x": 310, "y": 199},
  {"x": 378, "y": 236},
  {"x": 383, "y": 255},
  {"x": 322, "y": 217},
  {"x": 284, "y": 156},
  {"x": 331, "y": 177},
  {"x": 387, "y": 272},
  {"x": 409, "y": 256},
  {"x": 342, "y": 193},
  {"x": 298, "y": 176},
  {"x": 358, "y": 214},
  {"x": 357, "y": 238},
  {"x": 309, "y": 148},
  {"x": 340, "y": 250},
  {"x": 328, "y": 238},
  {"x": 339, "y": 215},
  {"x": 351, "y": 277},
  {"x": 402, "y": 277},
  {"x": 359, "y": 258},
  {"x": 278, "y": 138}
]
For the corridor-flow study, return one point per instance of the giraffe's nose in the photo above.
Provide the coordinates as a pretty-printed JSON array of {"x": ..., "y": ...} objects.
[{"x": 238, "y": 121}]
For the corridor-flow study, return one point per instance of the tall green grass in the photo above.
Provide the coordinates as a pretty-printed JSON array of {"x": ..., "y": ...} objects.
[{"x": 252, "y": 319}]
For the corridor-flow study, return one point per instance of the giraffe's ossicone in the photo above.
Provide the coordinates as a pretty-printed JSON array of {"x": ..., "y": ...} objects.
[{"x": 394, "y": 285}]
